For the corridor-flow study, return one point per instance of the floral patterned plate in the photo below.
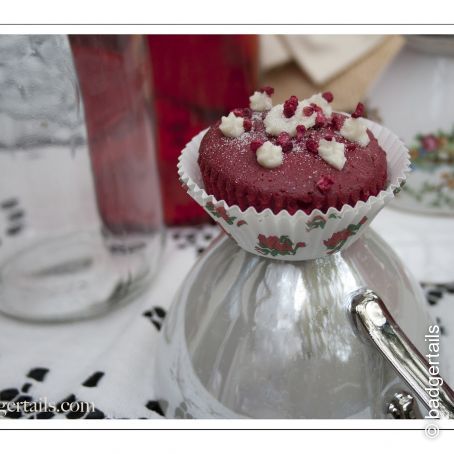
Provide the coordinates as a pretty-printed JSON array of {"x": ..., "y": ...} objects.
[{"x": 430, "y": 187}]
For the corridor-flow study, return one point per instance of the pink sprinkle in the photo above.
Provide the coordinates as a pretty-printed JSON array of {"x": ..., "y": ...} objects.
[
  {"x": 320, "y": 119},
  {"x": 328, "y": 137},
  {"x": 312, "y": 146},
  {"x": 283, "y": 137},
  {"x": 308, "y": 111},
  {"x": 337, "y": 122},
  {"x": 268, "y": 90},
  {"x": 300, "y": 131},
  {"x": 328, "y": 96},
  {"x": 284, "y": 140},
  {"x": 247, "y": 124},
  {"x": 325, "y": 183},
  {"x": 316, "y": 107},
  {"x": 255, "y": 145},
  {"x": 240, "y": 112},
  {"x": 359, "y": 111},
  {"x": 290, "y": 106},
  {"x": 247, "y": 112}
]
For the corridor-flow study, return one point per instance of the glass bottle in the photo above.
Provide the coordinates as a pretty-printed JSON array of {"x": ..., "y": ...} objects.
[{"x": 77, "y": 160}]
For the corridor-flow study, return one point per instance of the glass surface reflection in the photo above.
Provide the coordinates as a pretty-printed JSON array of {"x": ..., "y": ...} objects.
[{"x": 254, "y": 337}]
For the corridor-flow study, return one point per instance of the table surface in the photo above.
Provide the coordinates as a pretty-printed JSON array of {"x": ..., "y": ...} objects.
[{"x": 109, "y": 360}]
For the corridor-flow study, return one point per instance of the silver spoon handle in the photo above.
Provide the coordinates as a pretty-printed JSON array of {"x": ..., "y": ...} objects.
[{"x": 375, "y": 323}]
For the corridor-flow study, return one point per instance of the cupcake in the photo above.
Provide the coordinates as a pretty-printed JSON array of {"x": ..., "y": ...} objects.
[
  {"x": 298, "y": 155},
  {"x": 295, "y": 181}
]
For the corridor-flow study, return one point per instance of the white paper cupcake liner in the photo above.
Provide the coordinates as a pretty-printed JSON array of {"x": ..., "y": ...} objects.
[{"x": 299, "y": 236}]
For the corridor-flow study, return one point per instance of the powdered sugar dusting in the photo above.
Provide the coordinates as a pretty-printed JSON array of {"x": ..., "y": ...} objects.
[{"x": 297, "y": 167}]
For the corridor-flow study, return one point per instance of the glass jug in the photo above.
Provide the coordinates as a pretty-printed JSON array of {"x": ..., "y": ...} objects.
[{"x": 253, "y": 337}]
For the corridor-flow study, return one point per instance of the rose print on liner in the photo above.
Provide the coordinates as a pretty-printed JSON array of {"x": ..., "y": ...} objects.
[
  {"x": 319, "y": 221},
  {"x": 338, "y": 239},
  {"x": 219, "y": 212},
  {"x": 277, "y": 245},
  {"x": 399, "y": 188}
]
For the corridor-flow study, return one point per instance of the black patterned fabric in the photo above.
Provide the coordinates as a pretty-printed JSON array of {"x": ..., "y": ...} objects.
[
  {"x": 13, "y": 217},
  {"x": 107, "y": 362},
  {"x": 94, "y": 369}
]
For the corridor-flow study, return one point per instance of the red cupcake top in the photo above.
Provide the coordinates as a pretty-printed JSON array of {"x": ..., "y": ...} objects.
[{"x": 295, "y": 155}]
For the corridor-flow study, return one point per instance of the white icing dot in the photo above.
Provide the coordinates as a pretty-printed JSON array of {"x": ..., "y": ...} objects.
[
  {"x": 276, "y": 122},
  {"x": 232, "y": 126},
  {"x": 260, "y": 101},
  {"x": 320, "y": 101},
  {"x": 269, "y": 155},
  {"x": 332, "y": 152},
  {"x": 355, "y": 130}
]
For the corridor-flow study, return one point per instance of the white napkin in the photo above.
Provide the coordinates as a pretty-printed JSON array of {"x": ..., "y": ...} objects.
[{"x": 321, "y": 57}]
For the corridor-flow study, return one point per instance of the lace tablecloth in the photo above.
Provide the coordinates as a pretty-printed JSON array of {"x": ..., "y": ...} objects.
[{"x": 108, "y": 361}]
